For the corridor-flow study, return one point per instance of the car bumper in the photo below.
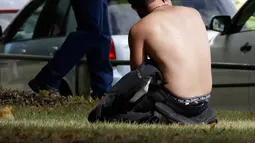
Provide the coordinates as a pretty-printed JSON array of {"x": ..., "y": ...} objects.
[
  {"x": 116, "y": 75},
  {"x": 119, "y": 72}
]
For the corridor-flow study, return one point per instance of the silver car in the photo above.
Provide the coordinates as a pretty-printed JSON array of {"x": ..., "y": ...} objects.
[
  {"x": 41, "y": 27},
  {"x": 234, "y": 43}
]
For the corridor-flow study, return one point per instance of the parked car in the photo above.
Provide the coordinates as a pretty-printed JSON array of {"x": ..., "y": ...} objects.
[
  {"x": 41, "y": 27},
  {"x": 234, "y": 43}
]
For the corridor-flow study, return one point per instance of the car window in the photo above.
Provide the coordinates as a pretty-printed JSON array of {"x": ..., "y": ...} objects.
[
  {"x": 26, "y": 31},
  {"x": 239, "y": 3},
  {"x": 59, "y": 20},
  {"x": 122, "y": 17},
  {"x": 209, "y": 8},
  {"x": 46, "y": 24},
  {"x": 5, "y": 19},
  {"x": 250, "y": 24}
]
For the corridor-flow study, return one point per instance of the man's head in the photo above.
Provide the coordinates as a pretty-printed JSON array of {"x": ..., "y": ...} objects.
[{"x": 144, "y": 7}]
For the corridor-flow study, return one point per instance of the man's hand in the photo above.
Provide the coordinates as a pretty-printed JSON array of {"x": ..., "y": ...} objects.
[{"x": 136, "y": 45}]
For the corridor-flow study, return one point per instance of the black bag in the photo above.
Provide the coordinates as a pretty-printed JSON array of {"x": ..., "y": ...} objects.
[{"x": 136, "y": 98}]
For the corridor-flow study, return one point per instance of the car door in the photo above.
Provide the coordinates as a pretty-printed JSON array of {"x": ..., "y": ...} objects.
[
  {"x": 244, "y": 25},
  {"x": 232, "y": 87},
  {"x": 39, "y": 29}
]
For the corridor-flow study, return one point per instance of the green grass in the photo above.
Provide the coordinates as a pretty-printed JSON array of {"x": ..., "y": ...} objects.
[{"x": 69, "y": 124}]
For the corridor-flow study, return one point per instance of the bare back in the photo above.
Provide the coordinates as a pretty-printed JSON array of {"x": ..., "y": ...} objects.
[{"x": 176, "y": 38}]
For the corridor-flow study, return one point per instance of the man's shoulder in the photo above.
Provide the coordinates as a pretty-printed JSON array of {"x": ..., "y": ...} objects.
[
  {"x": 187, "y": 9},
  {"x": 143, "y": 27},
  {"x": 134, "y": 31},
  {"x": 143, "y": 23},
  {"x": 136, "y": 27}
]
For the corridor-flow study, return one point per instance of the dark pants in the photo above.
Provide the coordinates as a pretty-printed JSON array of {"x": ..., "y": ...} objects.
[{"x": 91, "y": 38}]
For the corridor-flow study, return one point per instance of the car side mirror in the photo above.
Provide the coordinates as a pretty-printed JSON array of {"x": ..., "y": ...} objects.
[
  {"x": 1, "y": 31},
  {"x": 220, "y": 23}
]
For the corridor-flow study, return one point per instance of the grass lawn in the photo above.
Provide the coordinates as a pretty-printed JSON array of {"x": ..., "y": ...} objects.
[{"x": 69, "y": 124}]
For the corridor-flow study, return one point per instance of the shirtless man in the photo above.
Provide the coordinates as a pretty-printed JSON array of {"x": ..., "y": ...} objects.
[{"x": 175, "y": 38}]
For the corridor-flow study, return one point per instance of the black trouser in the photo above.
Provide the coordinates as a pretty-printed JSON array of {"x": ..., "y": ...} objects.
[
  {"x": 187, "y": 107},
  {"x": 91, "y": 38}
]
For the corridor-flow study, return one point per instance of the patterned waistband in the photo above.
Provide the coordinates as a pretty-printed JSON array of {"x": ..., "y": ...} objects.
[{"x": 195, "y": 100}]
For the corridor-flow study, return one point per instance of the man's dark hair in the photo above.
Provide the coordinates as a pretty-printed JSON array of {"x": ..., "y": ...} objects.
[{"x": 140, "y": 3}]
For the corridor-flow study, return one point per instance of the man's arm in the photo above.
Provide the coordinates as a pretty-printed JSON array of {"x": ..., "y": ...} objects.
[{"x": 136, "y": 45}]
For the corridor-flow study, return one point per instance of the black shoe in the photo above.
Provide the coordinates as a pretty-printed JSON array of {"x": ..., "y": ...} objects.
[
  {"x": 97, "y": 96},
  {"x": 34, "y": 85}
]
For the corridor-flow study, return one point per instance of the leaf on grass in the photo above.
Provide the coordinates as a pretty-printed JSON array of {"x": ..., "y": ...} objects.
[
  {"x": 205, "y": 131},
  {"x": 67, "y": 136},
  {"x": 212, "y": 126},
  {"x": 44, "y": 92},
  {"x": 177, "y": 134},
  {"x": 43, "y": 108},
  {"x": 6, "y": 113}
]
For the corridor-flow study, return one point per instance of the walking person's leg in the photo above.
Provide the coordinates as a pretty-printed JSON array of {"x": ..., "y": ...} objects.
[
  {"x": 90, "y": 32},
  {"x": 100, "y": 69},
  {"x": 99, "y": 65}
]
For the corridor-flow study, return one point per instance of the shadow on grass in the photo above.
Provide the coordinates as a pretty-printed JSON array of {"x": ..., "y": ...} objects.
[
  {"x": 235, "y": 115},
  {"x": 122, "y": 133}
]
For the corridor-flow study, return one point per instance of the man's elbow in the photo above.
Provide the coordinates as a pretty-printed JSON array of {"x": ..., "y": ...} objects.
[{"x": 134, "y": 66}]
